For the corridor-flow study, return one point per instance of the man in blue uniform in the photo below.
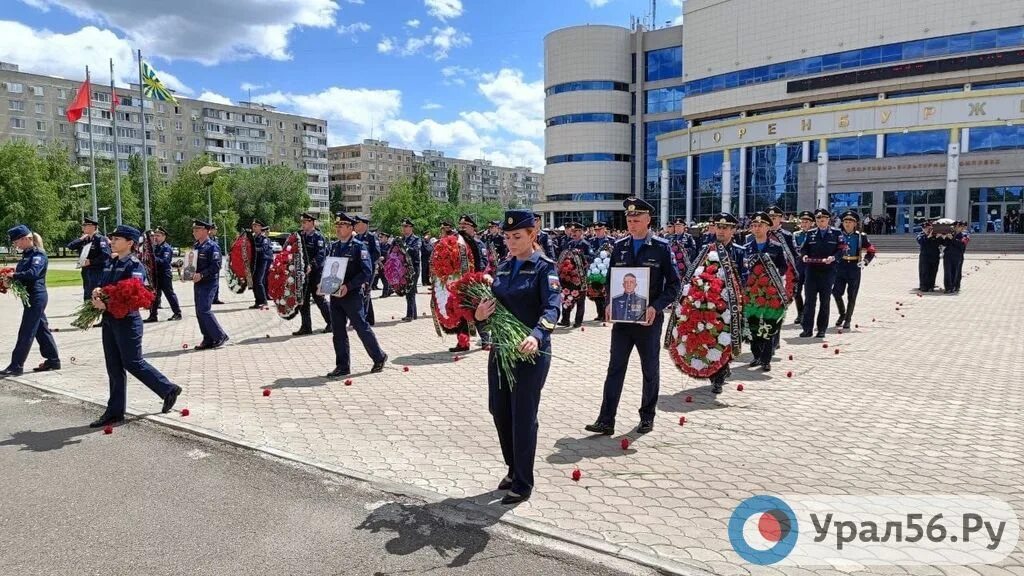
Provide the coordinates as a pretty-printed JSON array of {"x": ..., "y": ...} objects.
[
  {"x": 769, "y": 251},
  {"x": 385, "y": 248},
  {"x": 262, "y": 259},
  {"x": 314, "y": 248},
  {"x": 99, "y": 253},
  {"x": 639, "y": 248},
  {"x": 806, "y": 223},
  {"x": 819, "y": 253},
  {"x": 495, "y": 241},
  {"x": 216, "y": 284},
  {"x": 542, "y": 238},
  {"x": 348, "y": 305},
  {"x": 164, "y": 282},
  {"x": 953, "y": 258},
  {"x": 598, "y": 242},
  {"x": 859, "y": 253},
  {"x": 681, "y": 236},
  {"x": 412, "y": 245},
  {"x": 30, "y": 272},
  {"x": 574, "y": 233},
  {"x": 369, "y": 239},
  {"x": 208, "y": 264},
  {"x": 928, "y": 259}
]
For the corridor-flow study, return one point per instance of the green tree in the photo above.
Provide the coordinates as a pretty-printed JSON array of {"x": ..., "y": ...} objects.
[
  {"x": 407, "y": 200},
  {"x": 72, "y": 203},
  {"x": 275, "y": 194},
  {"x": 337, "y": 195},
  {"x": 26, "y": 197},
  {"x": 184, "y": 200},
  {"x": 454, "y": 186},
  {"x": 132, "y": 182}
]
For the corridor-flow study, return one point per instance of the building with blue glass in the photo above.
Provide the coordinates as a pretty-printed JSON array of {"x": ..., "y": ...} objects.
[{"x": 903, "y": 111}]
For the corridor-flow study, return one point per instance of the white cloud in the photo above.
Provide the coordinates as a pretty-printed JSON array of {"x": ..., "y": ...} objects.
[
  {"x": 209, "y": 96},
  {"x": 438, "y": 43},
  {"x": 597, "y": 3},
  {"x": 428, "y": 105},
  {"x": 457, "y": 75},
  {"x": 354, "y": 28},
  {"x": 444, "y": 9},
  {"x": 355, "y": 1},
  {"x": 204, "y": 31},
  {"x": 67, "y": 55},
  {"x": 519, "y": 105},
  {"x": 247, "y": 86},
  {"x": 351, "y": 113},
  {"x": 412, "y": 23}
]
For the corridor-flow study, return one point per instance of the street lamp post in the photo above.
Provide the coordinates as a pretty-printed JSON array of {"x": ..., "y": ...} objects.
[
  {"x": 224, "y": 242},
  {"x": 205, "y": 171},
  {"x": 78, "y": 196},
  {"x": 103, "y": 211}
]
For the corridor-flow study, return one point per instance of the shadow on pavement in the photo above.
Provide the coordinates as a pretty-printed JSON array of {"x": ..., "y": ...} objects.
[
  {"x": 703, "y": 399},
  {"x": 47, "y": 440},
  {"x": 420, "y": 526},
  {"x": 571, "y": 450},
  {"x": 266, "y": 340},
  {"x": 313, "y": 381},
  {"x": 440, "y": 357}
]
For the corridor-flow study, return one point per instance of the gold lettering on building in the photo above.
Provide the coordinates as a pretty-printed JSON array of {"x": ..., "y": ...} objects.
[
  {"x": 805, "y": 124},
  {"x": 742, "y": 133},
  {"x": 771, "y": 128},
  {"x": 977, "y": 108},
  {"x": 844, "y": 121},
  {"x": 717, "y": 137},
  {"x": 928, "y": 112},
  {"x": 888, "y": 114}
]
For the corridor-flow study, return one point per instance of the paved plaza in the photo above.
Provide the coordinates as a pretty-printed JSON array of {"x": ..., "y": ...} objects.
[{"x": 924, "y": 397}]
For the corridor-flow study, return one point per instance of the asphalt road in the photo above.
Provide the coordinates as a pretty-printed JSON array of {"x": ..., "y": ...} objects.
[{"x": 149, "y": 501}]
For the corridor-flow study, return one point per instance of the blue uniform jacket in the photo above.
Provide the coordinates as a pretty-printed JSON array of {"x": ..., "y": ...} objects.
[
  {"x": 596, "y": 244},
  {"x": 118, "y": 269},
  {"x": 314, "y": 247},
  {"x": 162, "y": 255},
  {"x": 413, "y": 244},
  {"x": 359, "y": 270},
  {"x": 655, "y": 254},
  {"x": 822, "y": 244},
  {"x": 774, "y": 250},
  {"x": 264, "y": 252},
  {"x": 31, "y": 271},
  {"x": 855, "y": 242},
  {"x": 533, "y": 295},
  {"x": 99, "y": 253},
  {"x": 583, "y": 246},
  {"x": 688, "y": 244},
  {"x": 546, "y": 245},
  {"x": 789, "y": 250},
  {"x": 372, "y": 246},
  {"x": 208, "y": 262},
  {"x": 799, "y": 239}
]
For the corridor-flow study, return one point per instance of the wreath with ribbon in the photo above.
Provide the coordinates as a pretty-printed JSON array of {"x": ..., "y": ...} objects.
[
  {"x": 287, "y": 281},
  {"x": 572, "y": 274},
  {"x": 240, "y": 262},
  {"x": 450, "y": 261},
  {"x": 400, "y": 270},
  {"x": 766, "y": 297},
  {"x": 148, "y": 258}
]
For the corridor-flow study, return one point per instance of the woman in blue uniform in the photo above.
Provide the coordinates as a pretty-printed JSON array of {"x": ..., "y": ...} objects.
[
  {"x": 122, "y": 338},
  {"x": 31, "y": 273},
  {"x": 526, "y": 284}
]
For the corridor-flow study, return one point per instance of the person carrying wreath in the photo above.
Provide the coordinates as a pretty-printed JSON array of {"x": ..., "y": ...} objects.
[
  {"x": 766, "y": 263},
  {"x": 31, "y": 273},
  {"x": 526, "y": 284}
]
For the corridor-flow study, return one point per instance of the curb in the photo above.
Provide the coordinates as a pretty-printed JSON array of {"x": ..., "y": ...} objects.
[{"x": 534, "y": 527}]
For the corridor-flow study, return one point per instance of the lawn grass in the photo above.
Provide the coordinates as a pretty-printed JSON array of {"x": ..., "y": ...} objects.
[{"x": 60, "y": 278}]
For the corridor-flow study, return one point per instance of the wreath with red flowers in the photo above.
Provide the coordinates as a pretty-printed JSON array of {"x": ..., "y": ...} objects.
[
  {"x": 572, "y": 274},
  {"x": 764, "y": 295},
  {"x": 449, "y": 263},
  {"x": 399, "y": 269},
  {"x": 286, "y": 284},
  {"x": 701, "y": 342},
  {"x": 148, "y": 259},
  {"x": 240, "y": 261}
]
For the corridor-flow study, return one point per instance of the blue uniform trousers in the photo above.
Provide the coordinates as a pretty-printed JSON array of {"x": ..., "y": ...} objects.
[
  {"x": 580, "y": 305},
  {"x": 952, "y": 267},
  {"x": 847, "y": 283},
  {"x": 514, "y": 409},
  {"x": 817, "y": 290},
  {"x": 90, "y": 279},
  {"x": 34, "y": 327},
  {"x": 311, "y": 296},
  {"x": 410, "y": 302},
  {"x": 208, "y": 325},
  {"x": 647, "y": 341},
  {"x": 259, "y": 282},
  {"x": 122, "y": 350},
  {"x": 343, "y": 310},
  {"x": 165, "y": 288}
]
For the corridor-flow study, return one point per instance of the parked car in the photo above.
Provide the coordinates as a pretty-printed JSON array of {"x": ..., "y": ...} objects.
[{"x": 276, "y": 246}]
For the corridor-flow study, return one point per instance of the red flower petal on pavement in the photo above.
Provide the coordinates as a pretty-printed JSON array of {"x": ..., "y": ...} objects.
[
  {"x": 108, "y": 429},
  {"x": 682, "y": 420},
  {"x": 185, "y": 412},
  {"x": 689, "y": 398},
  {"x": 576, "y": 475},
  {"x": 405, "y": 368},
  {"x": 739, "y": 387},
  {"x": 625, "y": 443},
  {"x": 789, "y": 374},
  {"x": 837, "y": 351},
  {"x": 348, "y": 382},
  {"x": 266, "y": 391},
  {"x": 825, "y": 345}
]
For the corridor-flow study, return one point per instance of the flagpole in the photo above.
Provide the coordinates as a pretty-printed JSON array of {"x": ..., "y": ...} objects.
[
  {"x": 117, "y": 164},
  {"x": 92, "y": 153},
  {"x": 145, "y": 161}
]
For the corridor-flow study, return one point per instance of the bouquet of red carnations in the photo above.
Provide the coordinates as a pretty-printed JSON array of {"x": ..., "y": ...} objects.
[
  {"x": 121, "y": 299},
  {"x": 9, "y": 284},
  {"x": 507, "y": 332}
]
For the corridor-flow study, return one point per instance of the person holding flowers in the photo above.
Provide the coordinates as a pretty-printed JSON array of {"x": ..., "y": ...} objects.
[
  {"x": 119, "y": 295},
  {"x": 526, "y": 293},
  {"x": 580, "y": 255},
  {"x": 601, "y": 248},
  {"x": 28, "y": 281},
  {"x": 767, "y": 297}
]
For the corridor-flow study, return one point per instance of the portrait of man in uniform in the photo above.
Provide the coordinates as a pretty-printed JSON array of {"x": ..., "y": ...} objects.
[
  {"x": 629, "y": 288},
  {"x": 334, "y": 277}
]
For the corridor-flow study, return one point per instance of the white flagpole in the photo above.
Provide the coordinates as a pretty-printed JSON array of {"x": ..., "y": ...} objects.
[
  {"x": 113, "y": 123},
  {"x": 145, "y": 160},
  {"x": 92, "y": 153}
]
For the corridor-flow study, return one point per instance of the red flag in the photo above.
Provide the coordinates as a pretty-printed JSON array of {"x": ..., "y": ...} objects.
[{"x": 77, "y": 108}]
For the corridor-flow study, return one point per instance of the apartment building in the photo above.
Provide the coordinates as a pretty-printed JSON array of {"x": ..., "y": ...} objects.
[{"x": 247, "y": 134}]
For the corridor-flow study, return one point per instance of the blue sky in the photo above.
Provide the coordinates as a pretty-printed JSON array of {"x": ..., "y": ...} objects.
[{"x": 463, "y": 76}]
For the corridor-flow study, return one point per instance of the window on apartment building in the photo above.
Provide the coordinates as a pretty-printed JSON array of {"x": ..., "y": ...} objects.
[
  {"x": 40, "y": 108},
  {"x": 40, "y": 126},
  {"x": 37, "y": 90},
  {"x": 163, "y": 169},
  {"x": 100, "y": 97},
  {"x": 179, "y": 139},
  {"x": 179, "y": 157},
  {"x": 63, "y": 128},
  {"x": 105, "y": 114},
  {"x": 62, "y": 93},
  {"x": 61, "y": 111},
  {"x": 15, "y": 88},
  {"x": 18, "y": 123},
  {"x": 177, "y": 125},
  {"x": 17, "y": 105},
  {"x": 177, "y": 110},
  {"x": 196, "y": 143},
  {"x": 162, "y": 139}
]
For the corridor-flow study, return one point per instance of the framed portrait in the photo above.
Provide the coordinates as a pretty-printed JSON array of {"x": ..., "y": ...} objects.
[
  {"x": 333, "y": 277},
  {"x": 84, "y": 255},
  {"x": 629, "y": 289},
  {"x": 188, "y": 268}
]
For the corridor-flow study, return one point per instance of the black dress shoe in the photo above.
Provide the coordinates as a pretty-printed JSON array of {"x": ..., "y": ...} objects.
[
  {"x": 577, "y": 324},
  {"x": 47, "y": 366},
  {"x": 302, "y": 332},
  {"x": 766, "y": 368},
  {"x": 221, "y": 343},
  {"x": 407, "y": 319},
  {"x": 170, "y": 399},
  {"x": 645, "y": 426},
  {"x": 175, "y": 317},
  {"x": 564, "y": 324},
  {"x": 805, "y": 334},
  {"x": 255, "y": 306},
  {"x": 338, "y": 373},
  {"x": 150, "y": 320},
  {"x": 600, "y": 428},
  {"x": 820, "y": 334},
  {"x": 9, "y": 372},
  {"x": 754, "y": 363},
  {"x": 106, "y": 420},
  {"x": 846, "y": 325},
  {"x": 217, "y": 302},
  {"x": 459, "y": 349},
  {"x": 513, "y": 498},
  {"x": 379, "y": 366},
  {"x": 839, "y": 322},
  {"x": 326, "y": 330},
  {"x": 203, "y": 346},
  {"x": 505, "y": 483},
  {"x": 716, "y": 388}
]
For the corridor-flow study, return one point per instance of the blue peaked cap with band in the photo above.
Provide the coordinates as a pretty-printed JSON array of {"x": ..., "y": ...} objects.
[
  {"x": 517, "y": 220},
  {"x": 18, "y": 232},
  {"x": 126, "y": 232}
]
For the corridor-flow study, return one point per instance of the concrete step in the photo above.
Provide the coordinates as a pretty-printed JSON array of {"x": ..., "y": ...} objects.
[{"x": 989, "y": 243}]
